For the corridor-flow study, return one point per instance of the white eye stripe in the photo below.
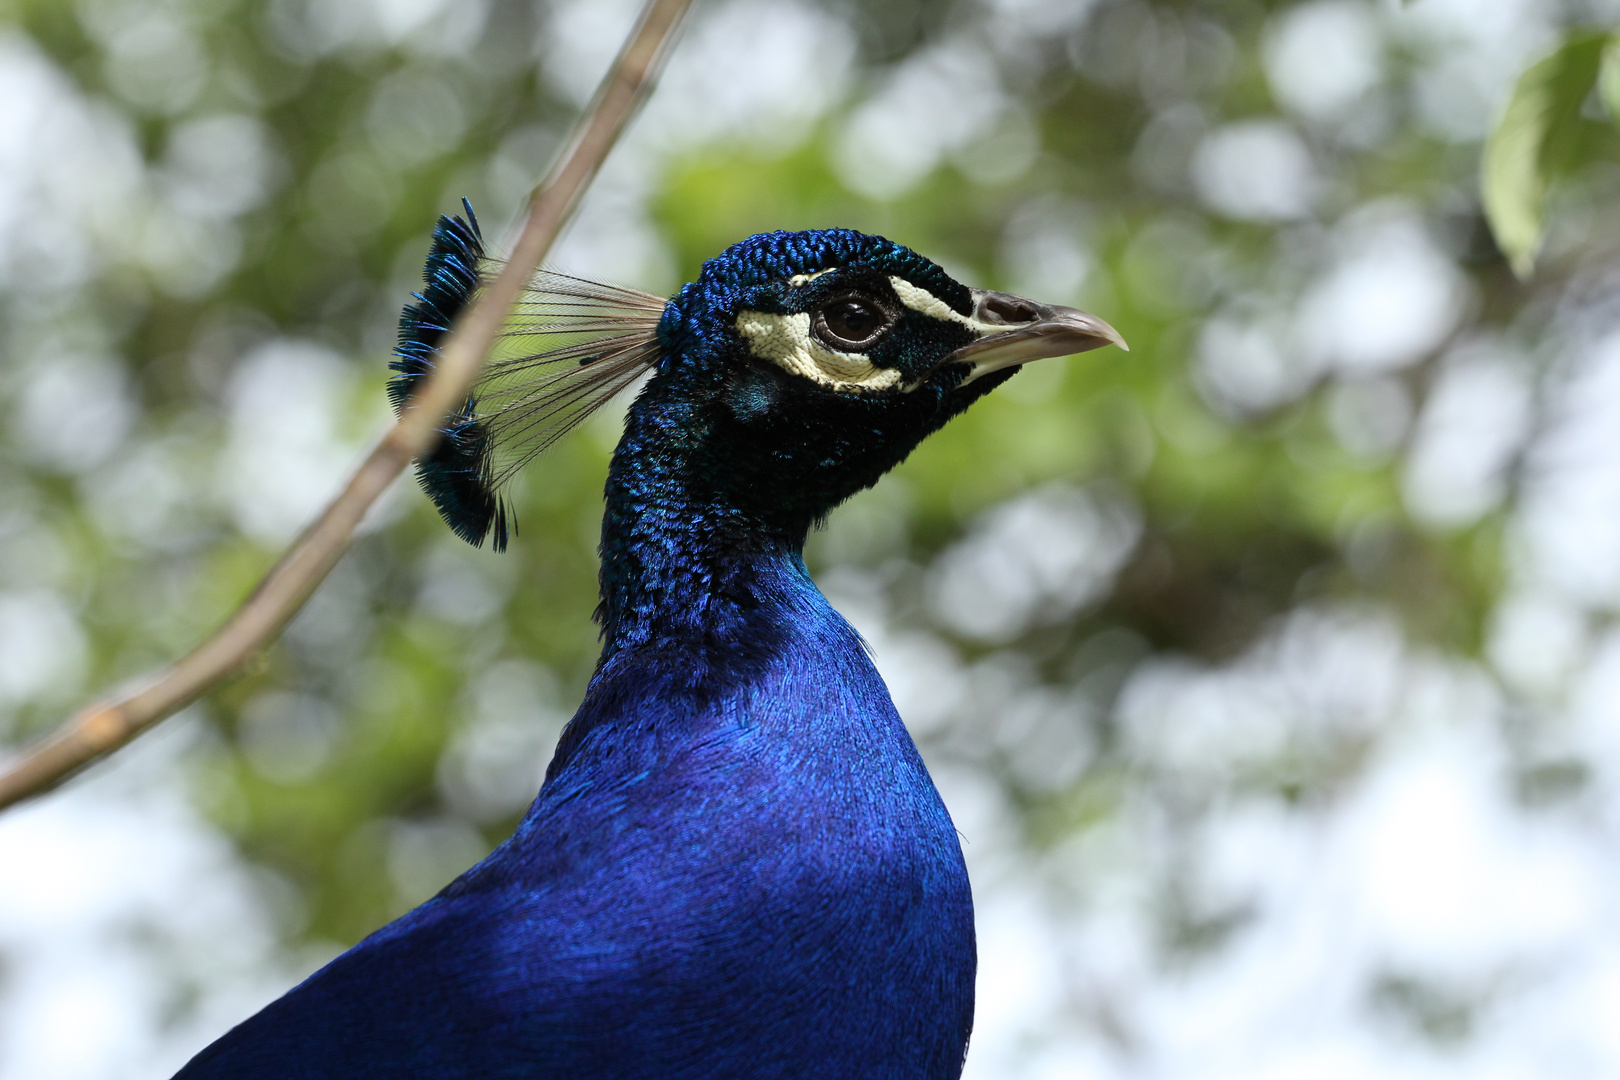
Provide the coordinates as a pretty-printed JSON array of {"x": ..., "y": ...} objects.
[
  {"x": 785, "y": 341},
  {"x": 926, "y": 303}
]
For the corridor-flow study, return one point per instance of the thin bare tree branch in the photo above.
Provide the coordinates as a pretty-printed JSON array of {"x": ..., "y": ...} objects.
[{"x": 104, "y": 726}]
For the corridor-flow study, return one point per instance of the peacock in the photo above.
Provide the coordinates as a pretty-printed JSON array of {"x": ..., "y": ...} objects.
[{"x": 737, "y": 865}]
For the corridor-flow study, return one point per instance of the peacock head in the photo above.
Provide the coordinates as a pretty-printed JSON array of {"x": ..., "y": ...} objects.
[
  {"x": 808, "y": 364},
  {"x": 796, "y": 370}
]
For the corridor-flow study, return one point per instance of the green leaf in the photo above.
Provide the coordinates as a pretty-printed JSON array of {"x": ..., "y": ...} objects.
[
  {"x": 1536, "y": 139},
  {"x": 1609, "y": 79}
]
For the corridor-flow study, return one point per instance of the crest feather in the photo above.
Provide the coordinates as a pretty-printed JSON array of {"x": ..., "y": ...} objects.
[{"x": 569, "y": 347}]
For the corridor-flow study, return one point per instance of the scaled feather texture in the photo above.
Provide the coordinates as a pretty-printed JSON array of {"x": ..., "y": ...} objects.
[{"x": 737, "y": 865}]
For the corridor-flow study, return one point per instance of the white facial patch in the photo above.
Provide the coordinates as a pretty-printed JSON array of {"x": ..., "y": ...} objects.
[{"x": 785, "y": 341}]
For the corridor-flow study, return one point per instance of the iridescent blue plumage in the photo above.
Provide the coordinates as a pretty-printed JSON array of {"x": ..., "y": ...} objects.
[
  {"x": 456, "y": 475},
  {"x": 737, "y": 866}
]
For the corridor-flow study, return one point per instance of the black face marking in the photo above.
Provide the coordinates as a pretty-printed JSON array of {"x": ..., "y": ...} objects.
[{"x": 752, "y": 393}]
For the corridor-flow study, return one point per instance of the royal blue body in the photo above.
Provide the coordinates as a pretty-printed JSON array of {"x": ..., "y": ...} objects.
[
  {"x": 741, "y": 874},
  {"x": 737, "y": 866}
]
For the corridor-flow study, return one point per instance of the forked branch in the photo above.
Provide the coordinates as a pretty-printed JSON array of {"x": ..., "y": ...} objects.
[{"x": 102, "y": 727}]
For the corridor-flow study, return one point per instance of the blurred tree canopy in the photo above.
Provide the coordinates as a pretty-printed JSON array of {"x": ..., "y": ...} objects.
[{"x": 1222, "y": 570}]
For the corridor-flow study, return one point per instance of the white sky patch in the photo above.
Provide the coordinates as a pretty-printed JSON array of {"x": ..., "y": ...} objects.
[
  {"x": 1473, "y": 53},
  {"x": 512, "y": 716},
  {"x": 150, "y": 492},
  {"x": 756, "y": 73},
  {"x": 1014, "y": 22},
  {"x": 131, "y": 932},
  {"x": 1245, "y": 362},
  {"x": 1537, "y": 638},
  {"x": 414, "y": 116},
  {"x": 289, "y": 449},
  {"x": 1041, "y": 556},
  {"x": 70, "y": 175},
  {"x": 1044, "y": 251},
  {"x": 1321, "y": 58},
  {"x": 219, "y": 166},
  {"x": 934, "y": 104},
  {"x": 1569, "y": 521},
  {"x": 785, "y": 341},
  {"x": 153, "y": 58},
  {"x": 580, "y": 41},
  {"x": 1256, "y": 170},
  {"x": 313, "y": 28},
  {"x": 1004, "y": 151},
  {"x": 422, "y": 855},
  {"x": 75, "y": 409},
  {"x": 1389, "y": 297},
  {"x": 76, "y": 194},
  {"x": 1474, "y": 422},
  {"x": 1421, "y": 867},
  {"x": 1594, "y": 710},
  {"x": 42, "y": 648},
  {"x": 1450, "y": 880},
  {"x": 1322, "y": 679},
  {"x": 759, "y": 72}
]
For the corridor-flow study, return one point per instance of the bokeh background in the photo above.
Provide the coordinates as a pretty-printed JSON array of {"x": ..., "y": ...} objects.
[{"x": 1270, "y": 672}]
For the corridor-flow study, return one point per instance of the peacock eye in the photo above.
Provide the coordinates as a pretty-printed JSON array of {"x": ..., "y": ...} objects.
[{"x": 851, "y": 322}]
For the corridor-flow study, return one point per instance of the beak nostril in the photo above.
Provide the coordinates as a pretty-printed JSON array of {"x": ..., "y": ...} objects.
[{"x": 1007, "y": 310}]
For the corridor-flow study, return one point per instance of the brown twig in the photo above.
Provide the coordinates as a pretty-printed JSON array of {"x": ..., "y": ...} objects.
[{"x": 101, "y": 728}]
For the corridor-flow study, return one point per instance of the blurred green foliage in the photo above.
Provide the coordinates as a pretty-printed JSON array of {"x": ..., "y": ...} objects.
[{"x": 1248, "y": 508}]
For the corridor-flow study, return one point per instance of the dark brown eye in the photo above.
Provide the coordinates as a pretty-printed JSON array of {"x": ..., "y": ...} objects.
[{"x": 851, "y": 322}]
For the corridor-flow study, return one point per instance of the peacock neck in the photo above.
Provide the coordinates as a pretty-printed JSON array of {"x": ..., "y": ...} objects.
[{"x": 686, "y": 557}]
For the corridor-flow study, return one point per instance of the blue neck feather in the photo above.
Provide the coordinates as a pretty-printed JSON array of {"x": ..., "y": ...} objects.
[
  {"x": 724, "y": 463},
  {"x": 679, "y": 555}
]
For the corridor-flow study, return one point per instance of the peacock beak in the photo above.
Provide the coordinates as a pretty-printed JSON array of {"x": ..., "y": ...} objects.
[{"x": 1032, "y": 332}]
